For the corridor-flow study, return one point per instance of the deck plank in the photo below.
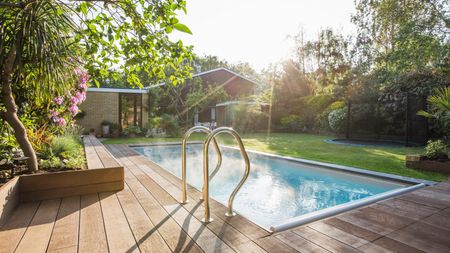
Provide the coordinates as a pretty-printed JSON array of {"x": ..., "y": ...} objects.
[
  {"x": 299, "y": 243},
  {"x": 338, "y": 234},
  {"x": 406, "y": 208},
  {"x": 65, "y": 232},
  {"x": 173, "y": 235},
  {"x": 352, "y": 229},
  {"x": 12, "y": 231},
  {"x": 204, "y": 238},
  {"x": 37, "y": 236},
  {"x": 118, "y": 233},
  {"x": 395, "y": 246},
  {"x": 140, "y": 224},
  {"x": 274, "y": 245},
  {"x": 142, "y": 188},
  {"x": 92, "y": 230},
  {"x": 324, "y": 241},
  {"x": 424, "y": 237}
]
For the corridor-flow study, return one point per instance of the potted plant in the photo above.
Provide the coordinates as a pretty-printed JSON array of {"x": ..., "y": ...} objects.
[
  {"x": 132, "y": 131},
  {"x": 436, "y": 158},
  {"x": 115, "y": 130},
  {"x": 106, "y": 125}
]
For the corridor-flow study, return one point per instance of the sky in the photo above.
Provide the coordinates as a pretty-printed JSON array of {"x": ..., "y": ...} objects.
[{"x": 257, "y": 31}]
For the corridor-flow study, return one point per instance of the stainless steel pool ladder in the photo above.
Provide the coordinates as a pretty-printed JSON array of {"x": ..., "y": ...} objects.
[
  {"x": 203, "y": 129},
  {"x": 211, "y": 137}
]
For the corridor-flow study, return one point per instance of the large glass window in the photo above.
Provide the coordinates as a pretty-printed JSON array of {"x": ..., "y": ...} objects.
[{"x": 130, "y": 110}]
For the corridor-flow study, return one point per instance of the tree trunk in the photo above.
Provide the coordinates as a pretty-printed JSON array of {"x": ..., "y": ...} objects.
[{"x": 10, "y": 115}]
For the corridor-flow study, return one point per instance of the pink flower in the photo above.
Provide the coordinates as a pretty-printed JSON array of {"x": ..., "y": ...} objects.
[
  {"x": 54, "y": 113},
  {"x": 74, "y": 100},
  {"x": 58, "y": 100},
  {"x": 83, "y": 78},
  {"x": 81, "y": 96},
  {"x": 83, "y": 86},
  {"x": 61, "y": 122},
  {"x": 73, "y": 109}
]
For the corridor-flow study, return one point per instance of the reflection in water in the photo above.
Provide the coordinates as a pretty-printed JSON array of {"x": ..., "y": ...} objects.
[{"x": 276, "y": 189}]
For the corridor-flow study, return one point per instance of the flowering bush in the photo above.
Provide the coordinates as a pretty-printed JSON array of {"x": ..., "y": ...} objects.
[
  {"x": 337, "y": 119},
  {"x": 64, "y": 108}
]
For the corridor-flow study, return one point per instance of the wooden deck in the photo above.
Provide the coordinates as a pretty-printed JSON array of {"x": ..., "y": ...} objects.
[{"x": 146, "y": 217}]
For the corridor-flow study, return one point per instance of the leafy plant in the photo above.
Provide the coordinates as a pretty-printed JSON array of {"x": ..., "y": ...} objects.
[
  {"x": 170, "y": 124},
  {"x": 337, "y": 119},
  {"x": 65, "y": 144},
  {"x": 132, "y": 130},
  {"x": 291, "y": 122},
  {"x": 439, "y": 109},
  {"x": 437, "y": 150}
]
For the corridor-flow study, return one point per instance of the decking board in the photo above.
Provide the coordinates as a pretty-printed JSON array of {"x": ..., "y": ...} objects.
[
  {"x": 12, "y": 231},
  {"x": 146, "y": 217},
  {"x": 65, "y": 233},
  {"x": 37, "y": 236},
  {"x": 92, "y": 235}
]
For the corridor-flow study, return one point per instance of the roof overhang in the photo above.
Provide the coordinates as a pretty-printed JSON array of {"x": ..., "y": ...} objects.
[{"x": 116, "y": 90}]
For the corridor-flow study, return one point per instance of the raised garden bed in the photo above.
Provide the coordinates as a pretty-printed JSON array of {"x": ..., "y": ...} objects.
[
  {"x": 103, "y": 174},
  {"x": 421, "y": 163}
]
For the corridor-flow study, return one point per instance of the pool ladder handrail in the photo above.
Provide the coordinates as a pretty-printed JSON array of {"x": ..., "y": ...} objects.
[
  {"x": 211, "y": 137},
  {"x": 188, "y": 133}
]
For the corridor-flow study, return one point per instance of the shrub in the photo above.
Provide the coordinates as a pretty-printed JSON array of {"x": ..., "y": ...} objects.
[
  {"x": 155, "y": 122},
  {"x": 51, "y": 162},
  {"x": 322, "y": 119},
  {"x": 65, "y": 151},
  {"x": 65, "y": 144},
  {"x": 337, "y": 119},
  {"x": 132, "y": 130},
  {"x": 436, "y": 150},
  {"x": 291, "y": 122},
  {"x": 247, "y": 118},
  {"x": 170, "y": 124}
]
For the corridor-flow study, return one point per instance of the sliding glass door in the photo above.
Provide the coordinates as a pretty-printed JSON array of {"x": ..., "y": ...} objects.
[{"x": 130, "y": 110}]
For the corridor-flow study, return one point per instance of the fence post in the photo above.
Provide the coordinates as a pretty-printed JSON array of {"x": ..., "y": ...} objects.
[
  {"x": 407, "y": 121},
  {"x": 347, "y": 130}
]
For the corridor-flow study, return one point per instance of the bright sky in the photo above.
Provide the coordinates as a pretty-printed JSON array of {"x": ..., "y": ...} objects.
[{"x": 256, "y": 31}]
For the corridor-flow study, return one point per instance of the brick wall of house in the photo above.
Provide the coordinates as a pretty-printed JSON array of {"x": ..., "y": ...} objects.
[{"x": 99, "y": 106}]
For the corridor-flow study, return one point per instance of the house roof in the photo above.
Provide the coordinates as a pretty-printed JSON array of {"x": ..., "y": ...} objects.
[
  {"x": 239, "y": 102},
  {"x": 118, "y": 90},
  {"x": 208, "y": 72}
]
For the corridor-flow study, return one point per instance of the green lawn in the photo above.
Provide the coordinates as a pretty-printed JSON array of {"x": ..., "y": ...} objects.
[{"x": 308, "y": 146}]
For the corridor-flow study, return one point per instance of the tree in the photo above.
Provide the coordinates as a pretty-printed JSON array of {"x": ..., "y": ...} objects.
[{"x": 40, "y": 44}]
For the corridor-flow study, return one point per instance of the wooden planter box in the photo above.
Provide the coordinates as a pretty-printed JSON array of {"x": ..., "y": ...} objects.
[
  {"x": 104, "y": 174},
  {"x": 418, "y": 162}
]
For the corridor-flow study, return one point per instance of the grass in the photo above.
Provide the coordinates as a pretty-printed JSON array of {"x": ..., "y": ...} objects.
[{"x": 308, "y": 146}]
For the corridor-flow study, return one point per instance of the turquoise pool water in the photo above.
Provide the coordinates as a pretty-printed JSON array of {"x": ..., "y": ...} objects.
[{"x": 277, "y": 189}]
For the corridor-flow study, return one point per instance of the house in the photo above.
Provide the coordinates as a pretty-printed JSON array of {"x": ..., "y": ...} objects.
[
  {"x": 126, "y": 107},
  {"x": 123, "y": 107},
  {"x": 238, "y": 87}
]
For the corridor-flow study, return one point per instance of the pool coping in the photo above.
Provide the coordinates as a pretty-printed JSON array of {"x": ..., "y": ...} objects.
[{"x": 330, "y": 211}]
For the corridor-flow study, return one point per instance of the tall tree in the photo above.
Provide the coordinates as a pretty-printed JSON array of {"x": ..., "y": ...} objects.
[{"x": 42, "y": 40}]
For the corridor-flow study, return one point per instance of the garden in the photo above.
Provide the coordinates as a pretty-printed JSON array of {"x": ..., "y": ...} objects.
[{"x": 388, "y": 81}]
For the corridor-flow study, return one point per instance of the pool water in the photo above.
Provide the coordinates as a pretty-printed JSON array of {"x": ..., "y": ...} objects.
[{"x": 277, "y": 189}]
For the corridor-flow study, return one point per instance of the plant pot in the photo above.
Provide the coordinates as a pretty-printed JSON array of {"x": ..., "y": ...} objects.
[
  {"x": 105, "y": 130},
  {"x": 115, "y": 133},
  {"x": 420, "y": 163}
]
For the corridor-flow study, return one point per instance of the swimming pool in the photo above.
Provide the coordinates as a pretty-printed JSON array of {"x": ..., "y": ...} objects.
[{"x": 280, "y": 192}]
